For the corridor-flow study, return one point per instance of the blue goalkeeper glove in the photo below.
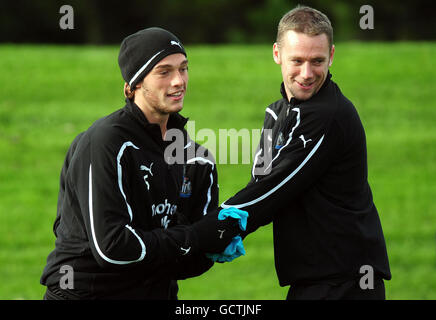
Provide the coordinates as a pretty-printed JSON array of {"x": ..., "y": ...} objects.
[
  {"x": 235, "y": 249},
  {"x": 234, "y": 213}
]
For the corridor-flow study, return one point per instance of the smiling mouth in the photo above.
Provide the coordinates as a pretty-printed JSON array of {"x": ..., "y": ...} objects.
[
  {"x": 176, "y": 95},
  {"x": 305, "y": 86}
]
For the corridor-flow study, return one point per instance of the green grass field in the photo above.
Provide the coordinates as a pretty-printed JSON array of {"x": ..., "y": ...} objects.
[{"x": 48, "y": 94}]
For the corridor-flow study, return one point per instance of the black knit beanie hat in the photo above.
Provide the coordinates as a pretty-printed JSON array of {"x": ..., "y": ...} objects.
[{"x": 141, "y": 51}]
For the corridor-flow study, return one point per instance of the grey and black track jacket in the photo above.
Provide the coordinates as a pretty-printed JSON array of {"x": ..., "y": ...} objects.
[
  {"x": 315, "y": 190},
  {"x": 119, "y": 211}
]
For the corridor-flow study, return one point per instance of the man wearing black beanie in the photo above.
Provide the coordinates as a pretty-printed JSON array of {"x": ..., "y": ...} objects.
[{"x": 118, "y": 231}]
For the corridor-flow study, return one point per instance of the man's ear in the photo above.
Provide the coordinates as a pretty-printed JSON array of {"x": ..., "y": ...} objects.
[
  {"x": 332, "y": 53},
  {"x": 276, "y": 54},
  {"x": 127, "y": 92}
]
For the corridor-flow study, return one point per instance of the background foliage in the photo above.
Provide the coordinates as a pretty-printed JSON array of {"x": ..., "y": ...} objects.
[{"x": 205, "y": 21}]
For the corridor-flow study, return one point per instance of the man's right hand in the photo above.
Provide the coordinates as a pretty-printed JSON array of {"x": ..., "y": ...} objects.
[{"x": 215, "y": 235}]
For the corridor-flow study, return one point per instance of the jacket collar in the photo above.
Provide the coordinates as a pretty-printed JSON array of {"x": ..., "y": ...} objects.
[
  {"x": 294, "y": 101},
  {"x": 175, "y": 120}
]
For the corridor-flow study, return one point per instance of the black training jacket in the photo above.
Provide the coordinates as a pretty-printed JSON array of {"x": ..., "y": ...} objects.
[
  {"x": 120, "y": 207},
  {"x": 315, "y": 190}
]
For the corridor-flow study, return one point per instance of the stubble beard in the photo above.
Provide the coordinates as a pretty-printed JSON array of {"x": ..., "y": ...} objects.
[
  {"x": 307, "y": 96},
  {"x": 154, "y": 103}
]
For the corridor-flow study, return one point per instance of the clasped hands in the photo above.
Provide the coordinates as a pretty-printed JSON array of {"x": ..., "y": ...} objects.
[{"x": 235, "y": 249}]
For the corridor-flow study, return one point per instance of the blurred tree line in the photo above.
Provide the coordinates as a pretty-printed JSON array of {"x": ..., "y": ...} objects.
[{"x": 206, "y": 21}]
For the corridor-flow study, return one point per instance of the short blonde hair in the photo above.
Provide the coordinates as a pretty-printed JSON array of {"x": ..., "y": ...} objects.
[{"x": 305, "y": 20}]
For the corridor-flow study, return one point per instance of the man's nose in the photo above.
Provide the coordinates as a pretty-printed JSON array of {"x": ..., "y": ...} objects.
[
  {"x": 177, "y": 79},
  {"x": 306, "y": 70}
]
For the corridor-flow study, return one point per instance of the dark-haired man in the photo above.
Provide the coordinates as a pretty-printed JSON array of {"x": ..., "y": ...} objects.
[{"x": 117, "y": 226}]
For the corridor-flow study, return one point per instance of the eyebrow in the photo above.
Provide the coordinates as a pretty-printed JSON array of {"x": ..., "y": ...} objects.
[
  {"x": 301, "y": 58},
  {"x": 169, "y": 66}
]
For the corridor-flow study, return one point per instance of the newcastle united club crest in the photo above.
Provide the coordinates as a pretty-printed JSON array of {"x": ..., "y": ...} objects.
[
  {"x": 186, "y": 186},
  {"x": 280, "y": 141}
]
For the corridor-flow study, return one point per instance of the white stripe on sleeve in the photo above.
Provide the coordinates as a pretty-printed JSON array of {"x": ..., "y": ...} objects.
[
  {"x": 201, "y": 159},
  {"x": 209, "y": 196},
  {"x": 94, "y": 238},
  {"x": 120, "y": 174},
  {"x": 272, "y": 113},
  {"x": 278, "y": 186},
  {"x": 297, "y": 110}
]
